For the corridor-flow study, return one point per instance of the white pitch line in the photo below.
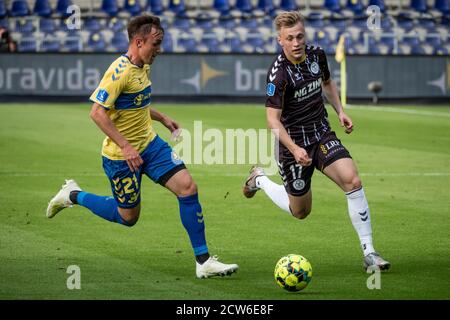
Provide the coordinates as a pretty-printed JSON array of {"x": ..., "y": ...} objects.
[
  {"x": 85, "y": 174},
  {"x": 398, "y": 110}
]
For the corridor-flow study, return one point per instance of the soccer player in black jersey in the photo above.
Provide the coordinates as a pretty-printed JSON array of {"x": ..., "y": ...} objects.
[{"x": 296, "y": 113}]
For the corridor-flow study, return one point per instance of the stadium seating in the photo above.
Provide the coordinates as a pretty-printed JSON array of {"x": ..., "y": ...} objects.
[
  {"x": 61, "y": 7},
  {"x": 223, "y": 6},
  {"x": 19, "y": 8},
  {"x": 443, "y": 6},
  {"x": 133, "y": 7},
  {"x": 419, "y": 5},
  {"x": 244, "y": 5},
  {"x": 155, "y": 6},
  {"x": 47, "y": 25},
  {"x": 50, "y": 45},
  {"x": 120, "y": 42},
  {"x": 288, "y": 5},
  {"x": 3, "y": 10},
  {"x": 232, "y": 25},
  {"x": 27, "y": 45},
  {"x": 42, "y": 8},
  {"x": 110, "y": 7},
  {"x": 333, "y": 5}
]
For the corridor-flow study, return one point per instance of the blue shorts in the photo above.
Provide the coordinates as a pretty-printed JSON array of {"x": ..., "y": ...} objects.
[{"x": 160, "y": 164}]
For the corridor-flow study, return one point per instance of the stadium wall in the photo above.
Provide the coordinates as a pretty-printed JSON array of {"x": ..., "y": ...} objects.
[{"x": 196, "y": 76}]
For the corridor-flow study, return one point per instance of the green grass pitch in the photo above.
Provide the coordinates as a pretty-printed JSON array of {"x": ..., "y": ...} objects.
[{"x": 402, "y": 153}]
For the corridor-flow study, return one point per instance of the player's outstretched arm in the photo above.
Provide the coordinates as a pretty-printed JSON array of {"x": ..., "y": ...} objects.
[
  {"x": 101, "y": 119},
  {"x": 331, "y": 93},
  {"x": 169, "y": 123},
  {"x": 274, "y": 123}
]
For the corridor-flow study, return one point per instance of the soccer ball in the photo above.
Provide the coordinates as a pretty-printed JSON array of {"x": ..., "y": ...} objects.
[{"x": 293, "y": 272}]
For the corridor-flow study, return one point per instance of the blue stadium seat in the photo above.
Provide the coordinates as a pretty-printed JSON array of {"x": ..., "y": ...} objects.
[
  {"x": 428, "y": 24},
  {"x": 47, "y": 25},
  {"x": 417, "y": 50},
  {"x": 132, "y": 6},
  {"x": 155, "y": 6},
  {"x": 433, "y": 41},
  {"x": 110, "y": 7},
  {"x": 27, "y": 46},
  {"x": 19, "y": 8},
  {"x": 4, "y": 23},
  {"x": 266, "y": 6},
  {"x": 440, "y": 51},
  {"x": 244, "y": 5},
  {"x": 72, "y": 45},
  {"x": 322, "y": 39},
  {"x": 356, "y": 6},
  {"x": 379, "y": 3},
  {"x": 204, "y": 21},
  {"x": 256, "y": 41},
  {"x": 211, "y": 43},
  {"x": 50, "y": 46},
  {"x": 249, "y": 23},
  {"x": 177, "y": 6},
  {"x": 167, "y": 44},
  {"x": 419, "y": 5},
  {"x": 373, "y": 49},
  {"x": 120, "y": 42},
  {"x": 3, "y": 11},
  {"x": 411, "y": 41},
  {"x": 443, "y": 6},
  {"x": 340, "y": 24},
  {"x": 96, "y": 42},
  {"x": 181, "y": 23},
  {"x": 189, "y": 44},
  {"x": 116, "y": 25},
  {"x": 315, "y": 20},
  {"x": 92, "y": 25},
  {"x": 227, "y": 23},
  {"x": 24, "y": 26},
  {"x": 235, "y": 44},
  {"x": 333, "y": 5},
  {"x": 288, "y": 5},
  {"x": 42, "y": 8},
  {"x": 405, "y": 21},
  {"x": 61, "y": 7},
  {"x": 223, "y": 6}
]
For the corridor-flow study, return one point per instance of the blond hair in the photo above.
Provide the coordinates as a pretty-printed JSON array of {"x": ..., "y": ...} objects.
[{"x": 288, "y": 19}]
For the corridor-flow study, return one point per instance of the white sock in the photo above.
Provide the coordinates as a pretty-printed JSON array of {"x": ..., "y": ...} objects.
[
  {"x": 275, "y": 192},
  {"x": 359, "y": 212}
]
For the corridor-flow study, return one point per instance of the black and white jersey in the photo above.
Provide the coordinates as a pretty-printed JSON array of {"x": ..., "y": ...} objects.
[{"x": 297, "y": 90}]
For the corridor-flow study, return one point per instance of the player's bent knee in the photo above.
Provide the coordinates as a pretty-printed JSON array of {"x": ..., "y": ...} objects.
[
  {"x": 301, "y": 213},
  {"x": 354, "y": 183},
  {"x": 188, "y": 189},
  {"x": 130, "y": 216}
]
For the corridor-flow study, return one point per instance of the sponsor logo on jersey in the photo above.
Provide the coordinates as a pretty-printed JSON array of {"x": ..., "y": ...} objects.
[
  {"x": 102, "y": 95},
  {"x": 308, "y": 88},
  {"x": 270, "y": 89}
]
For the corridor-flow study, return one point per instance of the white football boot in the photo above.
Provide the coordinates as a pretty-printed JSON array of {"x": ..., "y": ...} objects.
[
  {"x": 374, "y": 261},
  {"x": 250, "y": 187},
  {"x": 62, "y": 199},
  {"x": 212, "y": 267}
]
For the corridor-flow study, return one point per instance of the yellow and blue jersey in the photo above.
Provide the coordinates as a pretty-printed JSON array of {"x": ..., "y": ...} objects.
[{"x": 125, "y": 93}]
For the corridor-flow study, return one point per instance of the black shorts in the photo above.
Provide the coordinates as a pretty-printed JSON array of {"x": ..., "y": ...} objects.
[{"x": 296, "y": 178}]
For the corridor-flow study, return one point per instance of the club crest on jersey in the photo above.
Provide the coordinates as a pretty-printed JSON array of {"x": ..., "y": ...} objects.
[
  {"x": 102, "y": 95},
  {"x": 298, "y": 184},
  {"x": 270, "y": 89},
  {"x": 314, "y": 68}
]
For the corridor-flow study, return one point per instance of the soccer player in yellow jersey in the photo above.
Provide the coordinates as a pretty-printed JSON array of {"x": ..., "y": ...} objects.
[{"x": 121, "y": 109}]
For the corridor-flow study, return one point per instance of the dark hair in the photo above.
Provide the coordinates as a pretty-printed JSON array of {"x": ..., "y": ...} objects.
[{"x": 143, "y": 25}]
